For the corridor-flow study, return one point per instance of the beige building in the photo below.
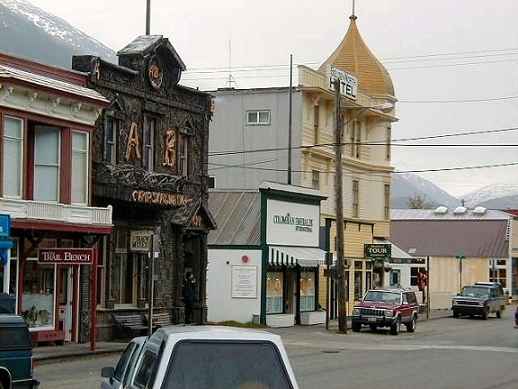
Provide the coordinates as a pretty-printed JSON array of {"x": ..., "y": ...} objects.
[{"x": 257, "y": 119}]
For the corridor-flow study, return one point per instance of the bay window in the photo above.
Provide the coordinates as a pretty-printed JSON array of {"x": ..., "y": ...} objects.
[
  {"x": 12, "y": 161},
  {"x": 79, "y": 167},
  {"x": 46, "y": 163}
]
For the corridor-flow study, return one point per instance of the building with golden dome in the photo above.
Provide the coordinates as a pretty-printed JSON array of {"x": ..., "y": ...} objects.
[{"x": 257, "y": 119}]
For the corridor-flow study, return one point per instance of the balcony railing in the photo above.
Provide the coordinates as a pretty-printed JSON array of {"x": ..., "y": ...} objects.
[{"x": 38, "y": 210}]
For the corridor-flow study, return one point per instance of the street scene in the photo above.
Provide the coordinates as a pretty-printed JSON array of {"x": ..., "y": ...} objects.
[{"x": 278, "y": 195}]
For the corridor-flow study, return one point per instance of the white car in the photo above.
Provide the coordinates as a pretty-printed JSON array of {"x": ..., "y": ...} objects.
[
  {"x": 118, "y": 377},
  {"x": 207, "y": 357}
]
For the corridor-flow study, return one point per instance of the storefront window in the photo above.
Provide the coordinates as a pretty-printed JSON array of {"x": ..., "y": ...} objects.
[
  {"x": 498, "y": 272},
  {"x": 515, "y": 277},
  {"x": 307, "y": 292},
  {"x": 38, "y": 294},
  {"x": 368, "y": 280},
  {"x": 358, "y": 285},
  {"x": 274, "y": 292}
]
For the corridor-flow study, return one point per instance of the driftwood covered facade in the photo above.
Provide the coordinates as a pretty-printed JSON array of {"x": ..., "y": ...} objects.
[{"x": 150, "y": 163}]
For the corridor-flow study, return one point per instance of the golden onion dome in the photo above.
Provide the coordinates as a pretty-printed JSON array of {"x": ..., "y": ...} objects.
[{"x": 353, "y": 56}]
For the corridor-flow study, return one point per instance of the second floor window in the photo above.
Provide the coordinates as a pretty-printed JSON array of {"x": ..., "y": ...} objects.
[
  {"x": 387, "y": 202},
  {"x": 357, "y": 139},
  {"x": 388, "y": 144},
  {"x": 79, "y": 168},
  {"x": 356, "y": 198},
  {"x": 149, "y": 143},
  {"x": 46, "y": 163},
  {"x": 110, "y": 139},
  {"x": 183, "y": 155},
  {"x": 315, "y": 182},
  {"x": 12, "y": 160},
  {"x": 316, "y": 123},
  {"x": 258, "y": 118}
]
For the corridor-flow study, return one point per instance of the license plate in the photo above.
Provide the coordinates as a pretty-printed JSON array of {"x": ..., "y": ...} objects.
[{"x": 373, "y": 319}]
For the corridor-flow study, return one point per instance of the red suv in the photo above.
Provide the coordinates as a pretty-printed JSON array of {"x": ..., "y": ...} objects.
[{"x": 386, "y": 308}]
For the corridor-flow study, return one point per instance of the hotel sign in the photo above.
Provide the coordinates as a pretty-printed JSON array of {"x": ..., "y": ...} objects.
[
  {"x": 81, "y": 256},
  {"x": 348, "y": 83}
]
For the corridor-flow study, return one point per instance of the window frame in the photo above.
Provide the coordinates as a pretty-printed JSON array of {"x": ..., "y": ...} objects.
[
  {"x": 386, "y": 199},
  {"x": 111, "y": 143},
  {"x": 357, "y": 139},
  {"x": 316, "y": 124},
  {"x": 184, "y": 160},
  {"x": 388, "y": 144},
  {"x": 315, "y": 179},
  {"x": 148, "y": 142},
  {"x": 3, "y": 137},
  {"x": 87, "y": 173},
  {"x": 59, "y": 131},
  {"x": 258, "y": 122}
]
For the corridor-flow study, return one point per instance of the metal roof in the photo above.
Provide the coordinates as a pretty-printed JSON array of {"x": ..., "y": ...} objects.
[
  {"x": 450, "y": 238},
  {"x": 238, "y": 217},
  {"x": 38, "y": 80},
  {"x": 429, "y": 214}
]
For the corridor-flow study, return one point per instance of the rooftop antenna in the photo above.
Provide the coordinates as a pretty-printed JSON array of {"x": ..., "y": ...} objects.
[
  {"x": 230, "y": 77},
  {"x": 148, "y": 18},
  {"x": 353, "y": 16}
]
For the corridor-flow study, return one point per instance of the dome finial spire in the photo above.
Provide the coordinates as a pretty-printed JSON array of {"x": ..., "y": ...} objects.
[{"x": 353, "y": 15}]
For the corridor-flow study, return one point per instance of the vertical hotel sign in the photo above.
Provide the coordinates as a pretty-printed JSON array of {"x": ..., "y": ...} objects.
[{"x": 348, "y": 83}]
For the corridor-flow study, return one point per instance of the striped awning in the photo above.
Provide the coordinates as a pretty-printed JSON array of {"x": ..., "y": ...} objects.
[{"x": 292, "y": 256}]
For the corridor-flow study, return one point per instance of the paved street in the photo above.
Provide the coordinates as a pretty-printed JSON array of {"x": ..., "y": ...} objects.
[{"x": 443, "y": 354}]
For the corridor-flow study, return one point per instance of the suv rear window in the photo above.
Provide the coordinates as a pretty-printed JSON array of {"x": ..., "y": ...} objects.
[
  {"x": 217, "y": 365},
  {"x": 15, "y": 338}
]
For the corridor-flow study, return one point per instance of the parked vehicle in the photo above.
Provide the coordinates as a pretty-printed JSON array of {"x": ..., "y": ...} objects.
[
  {"x": 118, "y": 377},
  {"x": 387, "y": 308},
  {"x": 479, "y": 299},
  {"x": 211, "y": 357},
  {"x": 15, "y": 354},
  {"x": 516, "y": 318}
]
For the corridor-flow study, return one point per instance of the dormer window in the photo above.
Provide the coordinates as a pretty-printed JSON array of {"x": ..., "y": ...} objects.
[
  {"x": 149, "y": 143},
  {"x": 111, "y": 129},
  {"x": 183, "y": 155}
]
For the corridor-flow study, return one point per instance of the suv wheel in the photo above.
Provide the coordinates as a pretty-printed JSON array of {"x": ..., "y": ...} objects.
[
  {"x": 410, "y": 327},
  {"x": 499, "y": 314},
  {"x": 394, "y": 328},
  {"x": 456, "y": 314},
  {"x": 485, "y": 314},
  {"x": 356, "y": 327}
]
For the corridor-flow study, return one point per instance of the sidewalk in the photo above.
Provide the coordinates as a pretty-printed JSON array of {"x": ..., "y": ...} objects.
[{"x": 72, "y": 350}]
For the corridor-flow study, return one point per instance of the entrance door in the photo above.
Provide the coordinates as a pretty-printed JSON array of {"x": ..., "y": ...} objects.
[{"x": 65, "y": 299}]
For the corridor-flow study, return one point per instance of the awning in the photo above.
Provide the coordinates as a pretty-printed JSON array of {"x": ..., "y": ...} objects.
[{"x": 292, "y": 256}]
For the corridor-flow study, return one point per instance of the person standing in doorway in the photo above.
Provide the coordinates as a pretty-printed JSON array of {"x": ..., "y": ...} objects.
[{"x": 189, "y": 286}]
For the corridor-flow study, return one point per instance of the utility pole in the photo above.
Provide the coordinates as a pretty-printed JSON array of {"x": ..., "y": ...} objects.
[
  {"x": 428, "y": 288},
  {"x": 290, "y": 120},
  {"x": 148, "y": 18},
  {"x": 340, "y": 265}
]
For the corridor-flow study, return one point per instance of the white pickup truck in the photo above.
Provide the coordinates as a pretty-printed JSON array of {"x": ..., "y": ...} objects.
[{"x": 207, "y": 357}]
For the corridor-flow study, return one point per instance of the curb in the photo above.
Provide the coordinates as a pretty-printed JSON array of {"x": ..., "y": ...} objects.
[{"x": 75, "y": 355}]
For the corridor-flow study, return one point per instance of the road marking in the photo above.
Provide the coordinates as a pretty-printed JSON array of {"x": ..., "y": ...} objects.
[{"x": 400, "y": 347}]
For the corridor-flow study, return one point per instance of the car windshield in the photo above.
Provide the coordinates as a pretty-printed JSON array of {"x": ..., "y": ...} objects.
[
  {"x": 383, "y": 297},
  {"x": 472, "y": 291}
]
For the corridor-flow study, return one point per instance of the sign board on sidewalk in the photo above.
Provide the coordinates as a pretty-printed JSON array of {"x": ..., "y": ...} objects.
[{"x": 60, "y": 256}]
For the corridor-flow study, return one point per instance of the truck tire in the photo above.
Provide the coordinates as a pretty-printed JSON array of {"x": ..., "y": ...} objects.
[
  {"x": 485, "y": 314},
  {"x": 455, "y": 314},
  {"x": 356, "y": 327},
  {"x": 499, "y": 314},
  {"x": 394, "y": 328},
  {"x": 411, "y": 326}
]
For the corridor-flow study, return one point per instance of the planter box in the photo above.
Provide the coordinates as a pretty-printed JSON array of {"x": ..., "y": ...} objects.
[
  {"x": 280, "y": 320},
  {"x": 312, "y": 318}
]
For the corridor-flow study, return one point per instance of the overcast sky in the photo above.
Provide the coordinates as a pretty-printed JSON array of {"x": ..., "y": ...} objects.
[{"x": 265, "y": 32}]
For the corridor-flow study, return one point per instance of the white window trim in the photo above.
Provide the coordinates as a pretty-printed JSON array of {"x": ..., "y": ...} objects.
[
  {"x": 58, "y": 192},
  {"x": 22, "y": 140},
  {"x": 87, "y": 186},
  {"x": 258, "y": 112}
]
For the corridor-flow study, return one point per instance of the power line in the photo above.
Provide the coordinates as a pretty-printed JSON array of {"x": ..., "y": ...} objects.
[
  {"x": 457, "y": 101},
  {"x": 381, "y": 142}
]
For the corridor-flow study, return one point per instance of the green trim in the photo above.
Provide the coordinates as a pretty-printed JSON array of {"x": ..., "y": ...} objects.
[
  {"x": 233, "y": 247},
  {"x": 292, "y": 197},
  {"x": 264, "y": 247}
]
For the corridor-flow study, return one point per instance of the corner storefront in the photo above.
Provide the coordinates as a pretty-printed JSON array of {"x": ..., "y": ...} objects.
[{"x": 265, "y": 259}]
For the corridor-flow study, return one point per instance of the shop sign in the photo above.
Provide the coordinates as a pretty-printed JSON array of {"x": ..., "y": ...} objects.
[
  {"x": 244, "y": 282},
  {"x": 60, "y": 256},
  {"x": 408, "y": 261},
  {"x": 5, "y": 226},
  {"x": 293, "y": 223},
  {"x": 348, "y": 83},
  {"x": 374, "y": 251},
  {"x": 140, "y": 241},
  {"x": 160, "y": 198}
]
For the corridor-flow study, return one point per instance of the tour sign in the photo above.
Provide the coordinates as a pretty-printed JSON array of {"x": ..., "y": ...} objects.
[
  {"x": 82, "y": 256},
  {"x": 375, "y": 251}
]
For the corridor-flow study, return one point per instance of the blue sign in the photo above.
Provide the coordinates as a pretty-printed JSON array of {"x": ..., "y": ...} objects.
[{"x": 5, "y": 226}]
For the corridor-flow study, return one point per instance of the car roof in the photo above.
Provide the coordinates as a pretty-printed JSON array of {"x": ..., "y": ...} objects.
[
  {"x": 395, "y": 290},
  {"x": 11, "y": 319},
  {"x": 488, "y": 284},
  {"x": 139, "y": 340}
]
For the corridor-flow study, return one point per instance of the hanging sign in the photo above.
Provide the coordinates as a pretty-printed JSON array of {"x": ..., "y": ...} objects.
[
  {"x": 160, "y": 198},
  {"x": 60, "y": 256},
  {"x": 375, "y": 251},
  {"x": 140, "y": 241}
]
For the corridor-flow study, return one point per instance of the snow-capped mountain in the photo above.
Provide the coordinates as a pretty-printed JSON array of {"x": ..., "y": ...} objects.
[
  {"x": 30, "y": 32},
  {"x": 406, "y": 186},
  {"x": 497, "y": 196}
]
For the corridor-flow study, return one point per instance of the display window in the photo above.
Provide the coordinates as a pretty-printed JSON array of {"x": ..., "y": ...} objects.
[
  {"x": 274, "y": 292},
  {"x": 307, "y": 291}
]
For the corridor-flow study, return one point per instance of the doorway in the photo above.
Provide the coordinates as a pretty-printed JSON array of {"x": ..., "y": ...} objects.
[{"x": 66, "y": 301}]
